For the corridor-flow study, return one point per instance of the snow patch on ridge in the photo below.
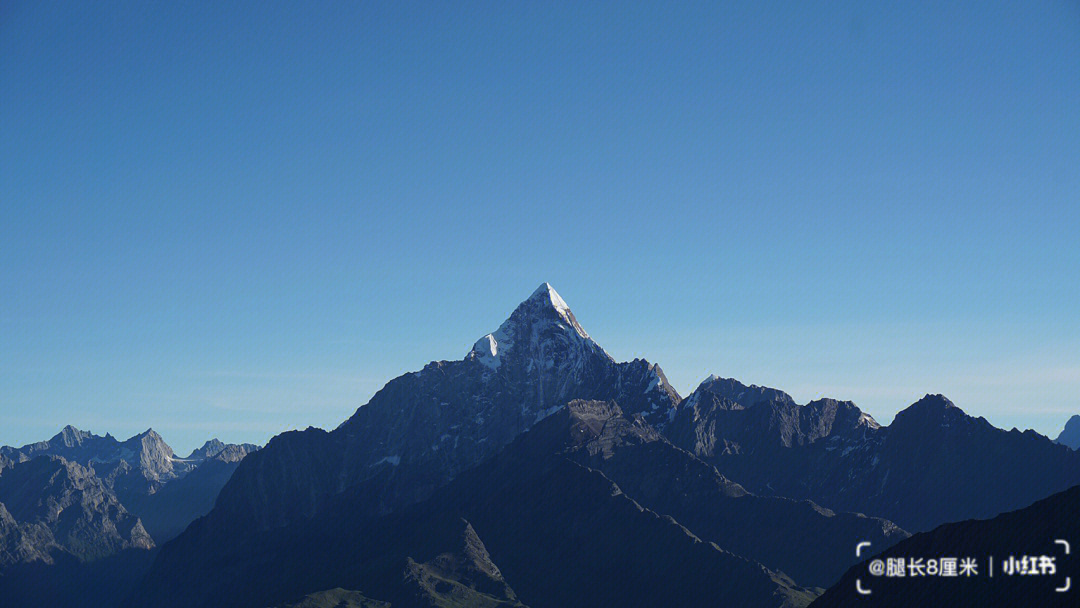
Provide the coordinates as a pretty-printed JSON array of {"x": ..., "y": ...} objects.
[
  {"x": 486, "y": 351},
  {"x": 654, "y": 384},
  {"x": 554, "y": 297},
  {"x": 869, "y": 421}
]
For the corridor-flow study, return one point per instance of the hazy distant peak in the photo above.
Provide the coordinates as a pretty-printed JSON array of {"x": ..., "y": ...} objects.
[
  {"x": 1070, "y": 435},
  {"x": 208, "y": 450},
  {"x": 70, "y": 436}
]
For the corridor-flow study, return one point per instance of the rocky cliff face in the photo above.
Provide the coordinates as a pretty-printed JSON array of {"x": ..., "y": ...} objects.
[
  {"x": 142, "y": 463},
  {"x": 55, "y": 506},
  {"x": 81, "y": 515},
  {"x": 723, "y": 417}
]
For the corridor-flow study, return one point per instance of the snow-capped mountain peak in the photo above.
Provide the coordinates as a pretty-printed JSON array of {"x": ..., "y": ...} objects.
[
  {"x": 546, "y": 294},
  {"x": 542, "y": 326}
]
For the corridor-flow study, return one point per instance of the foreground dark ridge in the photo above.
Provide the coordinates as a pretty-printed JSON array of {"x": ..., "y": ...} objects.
[{"x": 1028, "y": 531}]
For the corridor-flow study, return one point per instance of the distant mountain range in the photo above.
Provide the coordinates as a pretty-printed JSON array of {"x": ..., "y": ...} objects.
[
  {"x": 136, "y": 472},
  {"x": 80, "y": 498},
  {"x": 934, "y": 464},
  {"x": 536, "y": 471}
]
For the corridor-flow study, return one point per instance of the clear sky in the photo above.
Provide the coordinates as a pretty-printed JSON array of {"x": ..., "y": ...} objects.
[{"x": 237, "y": 220}]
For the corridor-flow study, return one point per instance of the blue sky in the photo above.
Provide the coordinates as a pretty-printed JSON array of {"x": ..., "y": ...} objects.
[{"x": 237, "y": 220}]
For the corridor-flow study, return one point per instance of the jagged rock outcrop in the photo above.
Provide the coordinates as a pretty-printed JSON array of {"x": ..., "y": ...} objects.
[
  {"x": 724, "y": 417},
  {"x": 465, "y": 576},
  {"x": 227, "y": 452},
  {"x": 55, "y": 506}
]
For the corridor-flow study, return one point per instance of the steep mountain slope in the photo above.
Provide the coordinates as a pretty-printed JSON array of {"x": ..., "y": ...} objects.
[
  {"x": 557, "y": 532},
  {"x": 425, "y": 427},
  {"x": 832, "y": 453},
  {"x": 1070, "y": 435},
  {"x": 1028, "y": 531}
]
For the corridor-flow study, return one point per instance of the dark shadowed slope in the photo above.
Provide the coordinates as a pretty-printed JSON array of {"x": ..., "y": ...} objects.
[
  {"x": 1028, "y": 531},
  {"x": 809, "y": 543},
  {"x": 336, "y": 598},
  {"x": 560, "y": 534},
  {"x": 68, "y": 581},
  {"x": 424, "y": 428},
  {"x": 462, "y": 577},
  {"x": 168, "y": 511}
]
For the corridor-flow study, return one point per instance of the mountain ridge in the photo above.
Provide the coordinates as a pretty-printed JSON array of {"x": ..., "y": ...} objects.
[
  {"x": 89, "y": 496},
  {"x": 834, "y": 454}
]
